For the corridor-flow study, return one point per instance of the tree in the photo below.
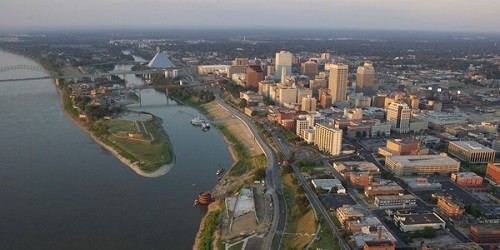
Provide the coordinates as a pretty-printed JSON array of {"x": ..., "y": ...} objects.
[
  {"x": 364, "y": 134},
  {"x": 428, "y": 232},
  {"x": 100, "y": 129},
  {"x": 358, "y": 134},
  {"x": 319, "y": 190},
  {"x": 378, "y": 133},
  {"x": 242, "y": 103},
  {"x": 260, "y": 174}
]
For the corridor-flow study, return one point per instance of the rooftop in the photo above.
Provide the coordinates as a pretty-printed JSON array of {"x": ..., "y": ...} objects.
[
  {"x": 423, "y": 218},
  {"x": 416, "y": 160},
  {"x": 350, "y": 211},
  {"x": 403, "y": 141},
  {"x": 396, "y": 197},
  {"x": 467, "y": 175},
  {"x": 379, "y": 243},
  {"x": 487, "y": 228},
  {"x": 472, "y": 146},
  {"x": 357, "y": 166}
]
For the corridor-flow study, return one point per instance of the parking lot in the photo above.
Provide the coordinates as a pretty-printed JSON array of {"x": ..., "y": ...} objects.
[
  {"x": 374, "y": 144},
  {"x": 449, "y": 188},
  {"x": 336, "y": 200}
]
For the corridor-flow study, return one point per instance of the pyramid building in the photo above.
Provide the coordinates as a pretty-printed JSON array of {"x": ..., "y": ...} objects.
[{"x": 160, "y": 61}]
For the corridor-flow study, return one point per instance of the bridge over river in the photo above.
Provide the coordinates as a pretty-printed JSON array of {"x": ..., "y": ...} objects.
[{"x": 54, "y": 75}]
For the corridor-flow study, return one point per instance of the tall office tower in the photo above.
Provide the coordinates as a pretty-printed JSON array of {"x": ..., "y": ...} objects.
[
  {"x": 398, "y": 115},
  {"x": 328, "y": 139},
  {"x": 283, "y": 76},
  {"x": 255, "y": 74},
  {"x": 338, "y": 82},
  {"x": 365, "y": 79},
  {"x": 283, "y": 60},
  {"x": 240, "y": 61}
]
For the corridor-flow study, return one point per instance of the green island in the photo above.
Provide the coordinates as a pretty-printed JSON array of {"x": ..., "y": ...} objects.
[{"x": 136, "y": 138}]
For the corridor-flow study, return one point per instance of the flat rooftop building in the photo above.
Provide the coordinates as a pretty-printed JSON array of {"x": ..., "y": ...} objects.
[
  {"x": 421, "y": 164},
  {"x": 409, "y": 222},
  {"x": 471, "y": 151},
  {"x": 422, "y": 184},
  {"x": 396, "y": 201},
  {"x": 345, "y": 168},
  {"x": 493, "y": 172},
  {"x": 328, "y": 184},
  {"x": 467, "y": 179},
  {"x": 485, "y": 233},
  {"x": 403, "y": 147},
  {"x": 391, "y": 189}
]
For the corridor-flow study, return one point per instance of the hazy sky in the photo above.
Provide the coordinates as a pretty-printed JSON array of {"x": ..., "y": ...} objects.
[{"x": 456, "y": 15}]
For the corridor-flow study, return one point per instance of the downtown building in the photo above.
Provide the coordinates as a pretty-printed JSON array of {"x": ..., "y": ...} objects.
[
  {"x": 421, "y": 165},
  {"x": 283, "y": 61},
  {"x": 398, "y": 115},
  {"x": 365, "y": 79},
  {"x": 337, "y": 83},
  {"x": 471, "y": 151},
  {"x": 493, "y": 172},
  {"x": 328, "y": 139}
]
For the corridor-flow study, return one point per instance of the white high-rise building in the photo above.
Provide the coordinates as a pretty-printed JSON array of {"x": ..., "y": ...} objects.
[
  {"x": 283, "y": 60},
  {"x": 338, "y": 82},
  {"x": 328, "y": 139},
  {"x": 398, "y": 115}
]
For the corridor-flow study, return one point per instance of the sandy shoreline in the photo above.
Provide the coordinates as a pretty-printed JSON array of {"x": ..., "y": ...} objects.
[{"x": 157, "y": 173}]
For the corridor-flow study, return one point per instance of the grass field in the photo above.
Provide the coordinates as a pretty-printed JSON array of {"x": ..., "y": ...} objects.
[
  {"x": 149, "y": 156},
  {"x": 238, "y": 246},
  {"x": 298, "y": 231}
]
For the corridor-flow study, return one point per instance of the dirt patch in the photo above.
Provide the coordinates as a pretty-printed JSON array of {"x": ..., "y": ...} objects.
[{"x": 220, "y": 115}]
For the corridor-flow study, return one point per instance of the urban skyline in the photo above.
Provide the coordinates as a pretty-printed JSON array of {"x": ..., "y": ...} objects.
[{"x": 442, "y": 15}]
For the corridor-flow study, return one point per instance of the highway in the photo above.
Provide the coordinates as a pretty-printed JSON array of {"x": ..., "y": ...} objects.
[
  {"x": 273, "y": 180},
  {"x": 285, "y": 147}
]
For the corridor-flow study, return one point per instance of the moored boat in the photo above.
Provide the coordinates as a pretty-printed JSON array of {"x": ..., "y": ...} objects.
[{"x": 198, "y": 121}]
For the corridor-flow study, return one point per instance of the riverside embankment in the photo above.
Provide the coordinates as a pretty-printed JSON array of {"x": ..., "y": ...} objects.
[{"x": 58, "y": 183}]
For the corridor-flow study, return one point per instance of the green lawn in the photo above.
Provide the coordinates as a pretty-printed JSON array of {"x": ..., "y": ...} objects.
[
  {"x": 149, "y": 156},
  {"x": 302, "y": 221},
  {"x": 238, "y": 246},
  {"x": 325, "y": 239}
]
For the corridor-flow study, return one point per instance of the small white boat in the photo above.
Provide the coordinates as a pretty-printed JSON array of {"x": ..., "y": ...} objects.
[
  {"x": 205, "y": 125},
  {"x": 198, "y": 121}
]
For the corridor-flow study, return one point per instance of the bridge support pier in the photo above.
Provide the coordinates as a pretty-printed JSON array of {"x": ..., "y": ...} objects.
[{"x": 166, "y": 93}]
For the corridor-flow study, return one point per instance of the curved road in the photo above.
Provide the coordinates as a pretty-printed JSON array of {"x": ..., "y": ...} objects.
[{"x": 273, "y": 180}]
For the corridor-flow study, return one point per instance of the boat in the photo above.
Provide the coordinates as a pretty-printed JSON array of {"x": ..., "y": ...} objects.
[
  {"x": 205, "y": 125},
  {"x": 198, "y": 121},
  {"x": 220, "y": 171},
  {"x": 196, "y": 203}
]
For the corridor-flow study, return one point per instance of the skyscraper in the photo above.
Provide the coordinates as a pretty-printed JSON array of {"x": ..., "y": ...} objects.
[
  {"x": 283, "y": 60},
  {"x": 365, "y": 79},
  {"x": 338, "y": 82},
  {"x": 398, "y": 115}
]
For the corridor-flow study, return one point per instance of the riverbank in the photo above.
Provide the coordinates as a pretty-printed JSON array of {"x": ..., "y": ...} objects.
[
  {"x": 248, "y": 158},
  {"x": 160, "y": 171}
]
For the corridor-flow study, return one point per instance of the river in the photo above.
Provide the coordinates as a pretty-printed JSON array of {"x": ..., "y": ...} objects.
[{"x": 61, "y": 190}]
